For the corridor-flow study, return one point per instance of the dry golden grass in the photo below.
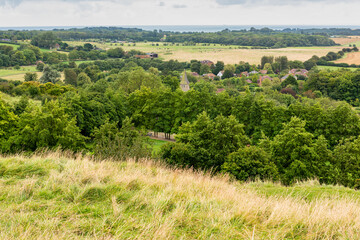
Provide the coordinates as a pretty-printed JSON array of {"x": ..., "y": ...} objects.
[
  {"x": 350, "y": 58},
  {"x": 57, "y": 197},
  {"x": 346, "y": 40},
  {"x": 216, "y": 52},
  {"x": 253, "y": 56}
]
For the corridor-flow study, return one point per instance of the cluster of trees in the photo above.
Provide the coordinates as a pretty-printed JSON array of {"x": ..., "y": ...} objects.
[
  {"x": 339, "y": 85},
  {"x": 325, "y": 31},
  {"x": 299, "y": 149},
  {"x": 249, "y": 38},
  {"x": 27, "y": 55}
]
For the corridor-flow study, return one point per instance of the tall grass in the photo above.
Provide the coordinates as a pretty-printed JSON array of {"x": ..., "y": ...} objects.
[{"x": 55, "y": 196}]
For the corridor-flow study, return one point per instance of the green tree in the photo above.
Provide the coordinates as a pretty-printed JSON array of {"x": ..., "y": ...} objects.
[
  {"x": 293, "y": 152},
  {"x": 116, "y": 53},
  {"x": 250, "y": 163},
  {"x": 70, "y": 77},
  {"x": 40, "y": 66},
  {"x": 195, "y": 66},
  {"x": 30, "y": 77},
  {"x": 46, "y": 127},
  {"x": 50, "y": 75},
  {"x": 229, "y": 71},
  {"x": 128, "y": 142},
  {"x": 211, "y": 140},
  {"x": 219, "y": 66},
  {"x": 83, "y": 79},
  {"x": 204, "y": 69},
  {"x": 7, "y": 124},
  {"x": 347, "y": 155}
]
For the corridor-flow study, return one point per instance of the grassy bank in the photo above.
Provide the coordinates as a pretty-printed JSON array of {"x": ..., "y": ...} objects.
[{"x": 57, "y": 197}]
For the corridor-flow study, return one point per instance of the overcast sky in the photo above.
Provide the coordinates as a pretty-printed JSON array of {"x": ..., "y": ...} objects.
[{"x": 178, "y": 12}]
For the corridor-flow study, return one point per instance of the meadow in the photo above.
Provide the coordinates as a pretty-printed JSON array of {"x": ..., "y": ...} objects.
[
  {"x": 12, "y": 45},
  {"x": 12, "y": 74},
  {"x": 349, "y": 58},
  {"x": 215, "y": 52},
  {"x": 333, "y": 68},
  {"x": 61, "y": 196}
]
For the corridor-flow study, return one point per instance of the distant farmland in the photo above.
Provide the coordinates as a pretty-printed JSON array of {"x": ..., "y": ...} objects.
[{"x": 230, "y": 54}]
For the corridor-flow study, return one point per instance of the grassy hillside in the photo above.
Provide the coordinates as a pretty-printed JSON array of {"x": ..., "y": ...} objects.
[{"x": 55, "y": 197}]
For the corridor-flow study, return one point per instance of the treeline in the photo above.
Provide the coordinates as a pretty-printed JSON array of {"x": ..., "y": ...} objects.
[
  {"x": 253, "y": 37},
  {"x": 28, "y": 54},
  {"x": 325, "y": 31},
  {"x": 273, "y": 40}
]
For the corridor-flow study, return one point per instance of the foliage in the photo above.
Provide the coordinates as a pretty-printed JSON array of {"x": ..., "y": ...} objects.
[
  {"x": 120, "y": 144},
  {"x": 50, "y": 75},
  {"x": 211, "y": 141},
  {"x": 45, "y": 127},
  {"x": 250, "y": 163}
]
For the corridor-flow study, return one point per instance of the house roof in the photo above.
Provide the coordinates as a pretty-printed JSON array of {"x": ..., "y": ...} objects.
[{"x": 263, "y": 71}]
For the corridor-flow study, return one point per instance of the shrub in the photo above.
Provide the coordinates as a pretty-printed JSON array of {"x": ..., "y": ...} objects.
[{"x": 249, "y": 163}]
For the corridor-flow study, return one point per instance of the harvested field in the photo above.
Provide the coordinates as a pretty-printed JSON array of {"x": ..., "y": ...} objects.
[
  {"x": 253, "y": 56},
  {"x": 215, "y": 52},
  {"x": 346, "y": 40},
  {"x": 350, "y": 58}
]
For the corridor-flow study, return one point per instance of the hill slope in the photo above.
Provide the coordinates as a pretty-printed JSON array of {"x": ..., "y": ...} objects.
[{"x": 55, "y": 197}]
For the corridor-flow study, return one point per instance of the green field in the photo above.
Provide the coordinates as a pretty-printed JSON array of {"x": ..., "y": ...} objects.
[
  {"x": 12, "y": 45},
  {"x": 333, "y": 68},
  {"x": 156, "y": 145},
  {"x": 11, "y": 71},
  {"x": 57, "y": 197}
]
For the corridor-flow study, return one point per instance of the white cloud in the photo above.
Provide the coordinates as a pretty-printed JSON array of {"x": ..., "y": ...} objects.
[{"x": 177, "y": 12}]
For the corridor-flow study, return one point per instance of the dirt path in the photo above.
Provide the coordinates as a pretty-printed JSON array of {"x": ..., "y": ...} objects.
[{"x": 161, "y": 136}]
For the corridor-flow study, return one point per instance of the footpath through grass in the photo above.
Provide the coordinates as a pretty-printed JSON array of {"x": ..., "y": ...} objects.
[{"x": 58, "y": 197}]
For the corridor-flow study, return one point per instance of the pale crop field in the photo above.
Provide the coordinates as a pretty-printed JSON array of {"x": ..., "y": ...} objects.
[
  {"x": 345, "y": 41},
  {"x": 350, "y": 58},
  {"x": 61, "y": 196},
  {"x": 216, "y": 52}
]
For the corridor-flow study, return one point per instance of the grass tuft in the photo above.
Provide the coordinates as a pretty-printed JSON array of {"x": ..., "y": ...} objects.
[{"x": 61, "y": 196}]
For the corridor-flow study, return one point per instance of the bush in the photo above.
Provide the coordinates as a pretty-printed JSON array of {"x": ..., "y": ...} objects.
[
  {"x": 128, "y": 142},
  {"x": 250, "y": 163}
]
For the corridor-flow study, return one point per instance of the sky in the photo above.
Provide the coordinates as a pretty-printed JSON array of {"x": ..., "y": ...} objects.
[{"x": 15, "y": 13}]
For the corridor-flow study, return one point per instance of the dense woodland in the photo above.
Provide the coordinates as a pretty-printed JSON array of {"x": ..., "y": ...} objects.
[
  {"x": 254, "y": 37},
  {"x": 325, "y": 31}
]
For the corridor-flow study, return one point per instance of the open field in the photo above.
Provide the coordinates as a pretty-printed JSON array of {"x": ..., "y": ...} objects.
[
  {"x": 57, "y": 197},
  {"x": 12, "y": 74},
  {"x": 333, "y": 68},
  {"x": 216, "y": 52},
  {"x": 9, "y": 44},
  {"x": 345, "y": 41},
  {"x": 350, "y": 58}
]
